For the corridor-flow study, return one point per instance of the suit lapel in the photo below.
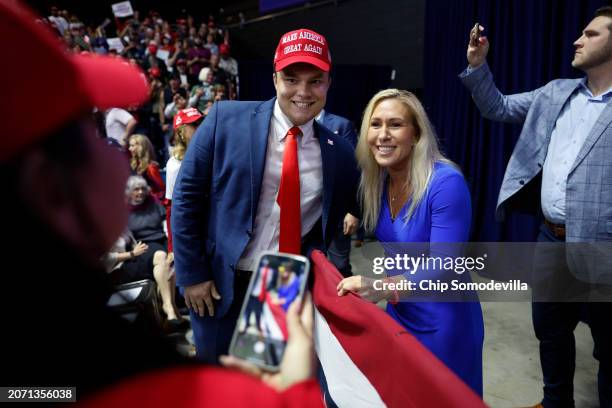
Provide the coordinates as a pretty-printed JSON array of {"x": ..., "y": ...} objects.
[
  {"x": 328, "y": 159},
  {"x": 555, "y": 110},
  {"x": 260, "y": 127},
  {"x": 603, "y": 122}
]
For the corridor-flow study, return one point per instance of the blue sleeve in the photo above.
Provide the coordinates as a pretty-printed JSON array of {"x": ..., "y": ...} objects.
[
  {"x": 491, "y": 103},
  {"x": 349, "y": 134},
  {"x": 451, "y": 208},
  {"x": 190, "y": 205},
  {"x": 451, "y": 214}
]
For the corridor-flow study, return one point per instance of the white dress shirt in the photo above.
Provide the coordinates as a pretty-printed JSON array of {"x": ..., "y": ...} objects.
[
  {"x": 267, "y": 220},
  {"x": 573, "y": 126}
]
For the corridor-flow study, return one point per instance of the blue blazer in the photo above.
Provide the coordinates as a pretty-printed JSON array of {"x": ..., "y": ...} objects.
[
  {"x": 215, "y": 198},
  {"x": 340, "y": 126},
  {"x": 588, "y": 192}
]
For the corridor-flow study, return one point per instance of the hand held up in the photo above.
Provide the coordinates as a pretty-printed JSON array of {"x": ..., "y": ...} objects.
[{"x": 478, "y": 47}]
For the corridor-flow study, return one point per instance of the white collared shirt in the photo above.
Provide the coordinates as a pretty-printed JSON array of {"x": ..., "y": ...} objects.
[
  {"x": 267, "y": 220},
  {"x": 571, "y": 130}
]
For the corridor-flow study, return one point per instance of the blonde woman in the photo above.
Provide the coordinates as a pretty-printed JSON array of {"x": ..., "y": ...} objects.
[
  {"x": 411, "y": 193},
  {"x": 142, "y": 162}
]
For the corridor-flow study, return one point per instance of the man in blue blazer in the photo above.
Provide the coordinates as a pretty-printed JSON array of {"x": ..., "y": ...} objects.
[
  {"x": 567, "y": 137},
  {"x": 224, "y": 207},
  {"x": 340, "y": 250}
]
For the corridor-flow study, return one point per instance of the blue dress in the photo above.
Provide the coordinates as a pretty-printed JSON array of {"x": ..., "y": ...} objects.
[{"x": 453, "y": 331}]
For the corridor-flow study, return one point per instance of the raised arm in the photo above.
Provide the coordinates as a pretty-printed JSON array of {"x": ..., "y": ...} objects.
[{"x": 477, "y": 77}]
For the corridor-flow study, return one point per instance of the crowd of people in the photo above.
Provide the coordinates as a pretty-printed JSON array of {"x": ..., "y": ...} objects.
[
  {"x": 291, "y": 186},
  {"x": 187, "y": 63},
  {"x": 188, "y": 67}
]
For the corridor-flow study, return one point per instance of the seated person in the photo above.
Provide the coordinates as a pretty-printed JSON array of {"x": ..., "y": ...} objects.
[
  {"x": 124, "y": 262},
  {"x": 146, "y": 222}
]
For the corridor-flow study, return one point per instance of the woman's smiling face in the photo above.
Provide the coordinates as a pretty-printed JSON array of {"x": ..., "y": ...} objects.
[{"x": 391, "y": 134}]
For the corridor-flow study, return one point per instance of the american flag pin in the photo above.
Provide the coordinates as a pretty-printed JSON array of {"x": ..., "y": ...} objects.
[{"x": 330, "y": 142}]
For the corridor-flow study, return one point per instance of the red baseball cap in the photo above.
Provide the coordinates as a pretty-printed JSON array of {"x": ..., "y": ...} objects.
[
  {"x": 224, "y": 49},
  {"x": 66, "y": 85},
  {"x": 302, "y": 45},
  {"x": 186, "y": 116},
  {"x": 154, "y": 72}
]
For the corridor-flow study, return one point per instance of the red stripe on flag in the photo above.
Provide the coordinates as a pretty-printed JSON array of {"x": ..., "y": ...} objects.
[{"x": 399, "y": 367}]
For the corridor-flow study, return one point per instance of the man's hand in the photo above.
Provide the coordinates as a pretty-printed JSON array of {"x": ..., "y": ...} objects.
[
  {"x": 200, "y": 297},
  {"x": 298, "y": 361},
  {"x": 350, "y": 224},
  {"x": 478, "y": 47}
]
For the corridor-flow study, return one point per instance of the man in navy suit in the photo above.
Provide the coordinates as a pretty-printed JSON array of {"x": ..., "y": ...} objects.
[
  {"x": 225, "y": 209},
  {"x": 340, "y": 250}
]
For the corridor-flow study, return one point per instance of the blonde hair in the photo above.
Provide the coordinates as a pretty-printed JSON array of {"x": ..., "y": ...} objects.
[
  {"x": 424, "y": 155},
  {"x": 180, "y": 144},
  {"x": 147, "y": 154},
  {"x": 203, "y": 75}
]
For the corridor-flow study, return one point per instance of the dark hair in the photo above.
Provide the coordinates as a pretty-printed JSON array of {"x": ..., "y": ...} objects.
[
  {"x": 85, "y": 344},
  {"x": 67, "y": 151},
  {"x": 65, "y": 147},
  {"x": 605, "y": 11},
  {"x": 182, "y": 92}
]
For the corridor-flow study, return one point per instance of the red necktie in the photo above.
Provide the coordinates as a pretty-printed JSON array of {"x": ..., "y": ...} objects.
[
  {"x": 264, "y": 279},
  {"x": 289, "y": 197}
]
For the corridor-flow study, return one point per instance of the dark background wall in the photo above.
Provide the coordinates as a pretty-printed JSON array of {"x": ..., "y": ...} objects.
[
  {"x": 531, "y": 44},
  {"x": 371, "y": 32}
]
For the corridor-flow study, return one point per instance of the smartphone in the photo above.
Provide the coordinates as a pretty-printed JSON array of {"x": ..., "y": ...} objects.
[
  {"x": 475, "y": 35},
  {"x": 261, "y": 333}
]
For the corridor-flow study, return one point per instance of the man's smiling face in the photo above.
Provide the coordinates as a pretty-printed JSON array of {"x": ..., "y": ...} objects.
[{"x": 301, "y": 90}]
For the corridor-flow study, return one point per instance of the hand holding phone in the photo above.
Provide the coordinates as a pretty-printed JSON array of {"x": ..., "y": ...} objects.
[
  {"x": 262, "y": 330},
  {"x": 298, "y": 363},
  {"x": 478, "y": 46},
  {"x": 475, "y": 35}
]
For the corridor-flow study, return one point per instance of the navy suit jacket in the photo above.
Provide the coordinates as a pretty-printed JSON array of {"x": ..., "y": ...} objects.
[
  {"x": 216, "y": 195},
  {"x": 340, "y": 126}
]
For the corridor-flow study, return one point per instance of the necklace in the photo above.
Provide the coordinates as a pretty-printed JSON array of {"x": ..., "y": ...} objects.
[{"x": 396, "y": 200}]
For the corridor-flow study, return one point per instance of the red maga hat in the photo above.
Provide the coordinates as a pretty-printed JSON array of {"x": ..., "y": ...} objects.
[
  {"x": 186, "y": 116},
  {"x": 302, "y": 45},
  {"x": 66, "y": 85},
  {"x": 224, "y": 49}
]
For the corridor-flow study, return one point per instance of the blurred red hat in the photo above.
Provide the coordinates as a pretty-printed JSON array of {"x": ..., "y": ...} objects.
[
  {"x": 186, "y": 116},
  {"x": 224, "y": 49},
  {"x": 154, "y": 72}
]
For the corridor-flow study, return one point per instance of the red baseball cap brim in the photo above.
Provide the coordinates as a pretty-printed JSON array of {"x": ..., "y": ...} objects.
[
  {"x": 323, "y": 66},
  {"x": 111, "y": 82}
]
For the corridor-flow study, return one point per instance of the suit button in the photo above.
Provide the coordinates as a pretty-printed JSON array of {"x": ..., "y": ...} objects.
[
  {"x": 522, "y": 182},
  {"x": 249, "y": 233},
  {"x": 232, "y": 265}
]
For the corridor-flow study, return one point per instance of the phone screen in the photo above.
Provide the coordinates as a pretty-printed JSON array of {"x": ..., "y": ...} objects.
[
  {"x": 475, "y": 35},
  {"x": 261, "y": 331}
]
